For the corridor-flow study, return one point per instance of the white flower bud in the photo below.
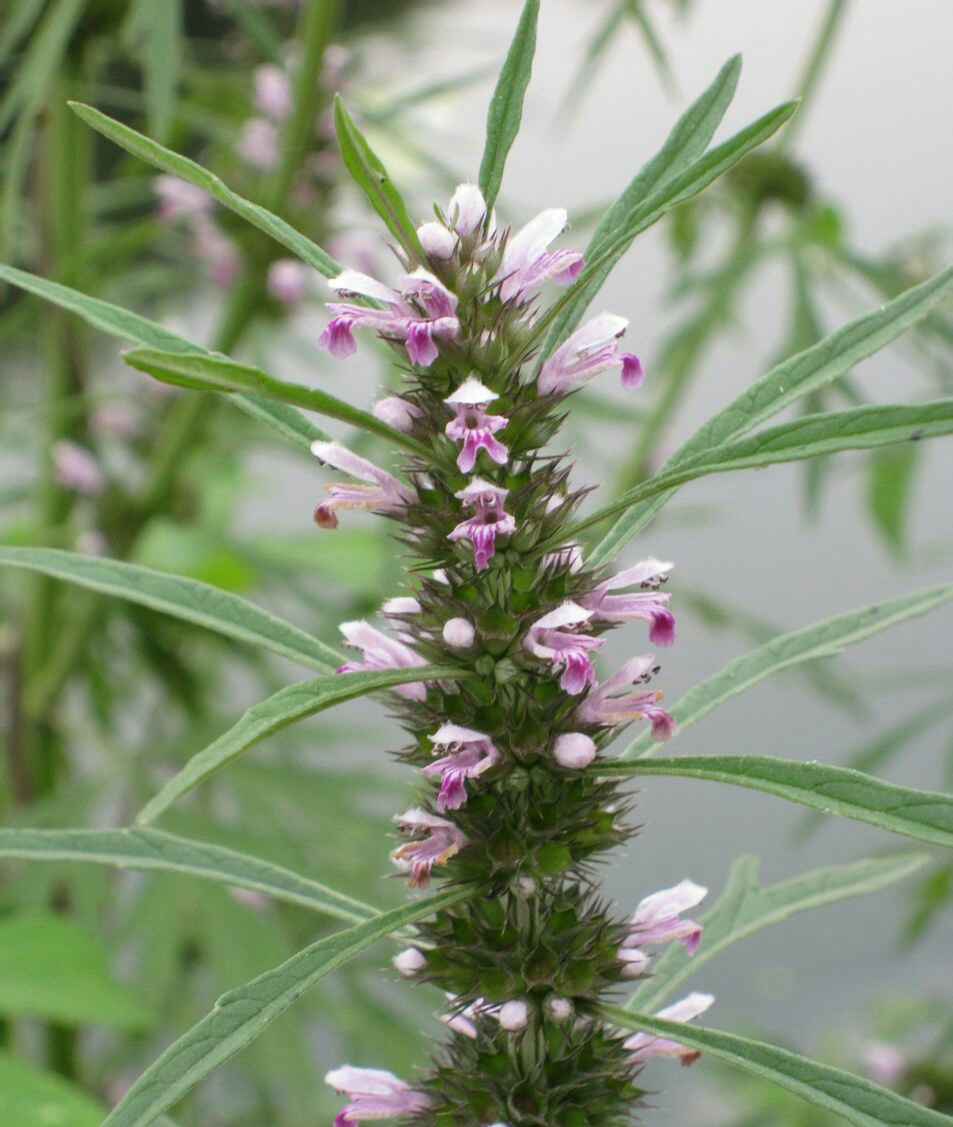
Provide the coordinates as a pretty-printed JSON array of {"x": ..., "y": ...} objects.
[
  {"x": 459, "y": 633},
  {"x": 574, "y": 750},
  {"x": 559, "y": 1009},
  {"x": 396, "y": 412},
  {"x": 409, "y": 962},
  {"x": 514, "y": 1015},
  {"x": 437, "y": 241}
]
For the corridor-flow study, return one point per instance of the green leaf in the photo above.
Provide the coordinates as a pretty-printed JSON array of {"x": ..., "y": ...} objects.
[
  {"x": 373, "y": 179},
  {"x": 243, "y": 1014},
  {"x": 155, "y": 154},
  {"x": 920, "y": 814},
  {"x": 21, "y": 15},
  {"x": 820, "y": 639},
  {"x": 859, "y": 1101},
  {"x": 811, "y": 436},
  {"x": 149, "y": 849},
  {"x": 52, "y": 968},
  {"x": 187, "y": 599},
  {"x": 154, "y": 32},
  {"x": 37, "y": 68},
  {"x": 888, "y": 492},
  {"x": 685, "y": 144},
  {"x": 202, "y": 372},
  {"x": 745, "y": 907},
  {"x": 506, "y": 105},
  {"x": 287, "y": 421},
  {"x": 802, "y": 374},
  {"x": 286, "y": 707},
  {"x": 31, "y": 1098}
]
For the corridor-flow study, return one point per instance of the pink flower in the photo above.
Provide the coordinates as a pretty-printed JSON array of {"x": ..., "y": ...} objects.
[
  {"x": 657, "y": 918},
  {"x": 527, "y": 264},
  {"x": 473, "y": 426},
  {"x": 420, "y": 313},
  {"x": 467, "y": 210},
  {"x": 373, "y": 1094},
  {"x": 489, "y": 520},
  {"x": 273, "y": 95},
  {"x": 384, "y": 493},
  {"x": 381, "y": 652},
  {"x": 649, "y": 604},
  {"x": 75, "y": 468},
  {"x": 219, "y": 252},
  {"x": 548, "y": 638},
  {"x": 178, "y": 199},
  {"x": 590, "y": 350},
  {"x": 258, "y": 143},
  {"x": 288, "y": 280},
  {"x": 436, "y": 840},
  {"x": 608, "y": 703},
  {"x": 646, "y": 1045},
  {"x": 409, "y": 962},
  {"x": 397, "y": 413},
  {"x": 470, "y": 754},
  {"x": 885, "y": 1064}
]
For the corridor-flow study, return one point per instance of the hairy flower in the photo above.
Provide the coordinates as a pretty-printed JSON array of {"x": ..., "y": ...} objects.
[
  {"x": 397, "y": 413},
  {"x": 373, "y": 1094},
  {"x": 555, "y": 638},
  {"x": 381, "y": 652},
  {"x": 657, "y": 919},
  {"x": 384, "y": 492},
  {"x": 643, "y": 1046},
  {"x": 435, "y": 841},
  {"x": 473, "y": 426},
  {"x": 610, "y": 704},
  {"x": 590, "y": 350},
  {"x": 649, "y": 604},
  {"x": 527, "y": 263},
  {"x": 489, "y": 520},
  {"x": 469, "y": 754}
]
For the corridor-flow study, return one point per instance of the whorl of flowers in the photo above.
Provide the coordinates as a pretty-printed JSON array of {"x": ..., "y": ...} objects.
[{"x": 511, "y": 802}]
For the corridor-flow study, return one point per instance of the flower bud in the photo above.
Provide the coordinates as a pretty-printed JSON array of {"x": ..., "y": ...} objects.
[
  {"x": 409, "y": 962},
  {"x": 574, "y": 750},
  {"x": 459, "y": 633},
  {"x": 397, "y": 413},
  {"x": 514, "y": 1015},
  {"x": 559, "y": 1009},
  {"x": 437, "y": 241}
]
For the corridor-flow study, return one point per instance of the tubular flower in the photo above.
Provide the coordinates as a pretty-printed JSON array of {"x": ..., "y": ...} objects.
[
  {"x": 549, "y": 638},
  {"x": 381, "y": 652},
  {"x": 473, "y": 426},
  {"x": 591, "y": 350},
  {"x": 643, "y": 1046},
  {"x": 657, "y": 919},
  {"x": 373, "y": 1094},
  {"x": 469, "y": 755},
  {"x": 420, "y": 313},
  {"x": 527, "y": 264},
  {"x": 434, "y": 842},
  {"x": 608, "y": 705},
  {"x": 384, "y": 493},
  {"x": 649, "y": 604},
  {"x": 489, "y": 520}
]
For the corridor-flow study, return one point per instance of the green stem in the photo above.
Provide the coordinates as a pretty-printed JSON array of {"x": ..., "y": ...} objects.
[{"x": 816, "y": 61}]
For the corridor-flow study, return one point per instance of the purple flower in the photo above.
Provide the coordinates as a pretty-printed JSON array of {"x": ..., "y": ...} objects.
[
  {"x": 473, "y": 426},
  {"x": 489, "y": 520},
  {"x": 373, "y": 1093},
  {"x": 397, "y": 413},
  {"x": 548, "y": 638},
  {"x": 381, "y": 652},
  {"x": 646, "y": 1045},
  {"x": 589, "y": 351},
  {"x": 384, "y": 493},
  {"x": 420, "y": 313},
  {"x": 657, "y": 918},
  {"x": 436, "y": 840},
  {"x": 527, "y": 263},
  {"x": 649, "y": 604},
  {"x": 273, "y": 95},
  {"x": 288, "y": 280},
  {"x": 609, "y": 704},
  {"x": 75, "y": 468},
  {"x": 470, "y": 754}
]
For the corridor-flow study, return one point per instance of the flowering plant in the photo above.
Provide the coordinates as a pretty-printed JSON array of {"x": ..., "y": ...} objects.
[{"x": 489, "y": 653}]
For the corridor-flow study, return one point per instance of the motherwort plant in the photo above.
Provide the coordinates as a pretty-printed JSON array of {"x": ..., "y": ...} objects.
[{"x": 511, "y": 807}]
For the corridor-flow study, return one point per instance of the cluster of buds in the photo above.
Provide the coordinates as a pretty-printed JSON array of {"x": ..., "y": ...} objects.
[{"x": 513, "y": 805}]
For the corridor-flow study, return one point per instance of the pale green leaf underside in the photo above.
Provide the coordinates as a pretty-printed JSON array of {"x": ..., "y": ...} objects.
[
  {"x": 183, "y": 598},
  {"x": 796, "y": 377},
  {"x": 176, "y": 165},
  {"x": 745, "y": 908},
  {"x": 150, "y": 849},
  {"x": 821, "y": 639},
  {"x": 243, "y": 1014},
  {"x": 296, "y": 702},
  {"x": 859, "y": 1101},
  {"x": 926, "y": 816}
]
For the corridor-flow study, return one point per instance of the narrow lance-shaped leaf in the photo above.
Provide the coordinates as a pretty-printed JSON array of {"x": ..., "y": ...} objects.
[
  {"x": 745, "y": 907},
  {"x": 296, "y": 702},
  {"x": 370, "y": 175},
  {"x": 212, "y": 373},
  {"x": 923, "y": 815},
  {"x": 506, "y": 105},
  {"x": 858, "y": 1100},
  {"x": 183, "y": 598},
  {"x": 128, "y": 326},
  {"x": 811, "y": 436},
  {"x": 176, "y": 165},
  {"x": 150, "y": 849},
  {"x": 808, "y": 371},
  {"x": 243, "y": 1014},
  {"x": 821, "y": 639},
  {"x": 685, "y": 144}
]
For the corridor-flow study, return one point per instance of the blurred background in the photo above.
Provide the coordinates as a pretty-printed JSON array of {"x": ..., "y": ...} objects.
[{"x": 103, "y": 701}]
